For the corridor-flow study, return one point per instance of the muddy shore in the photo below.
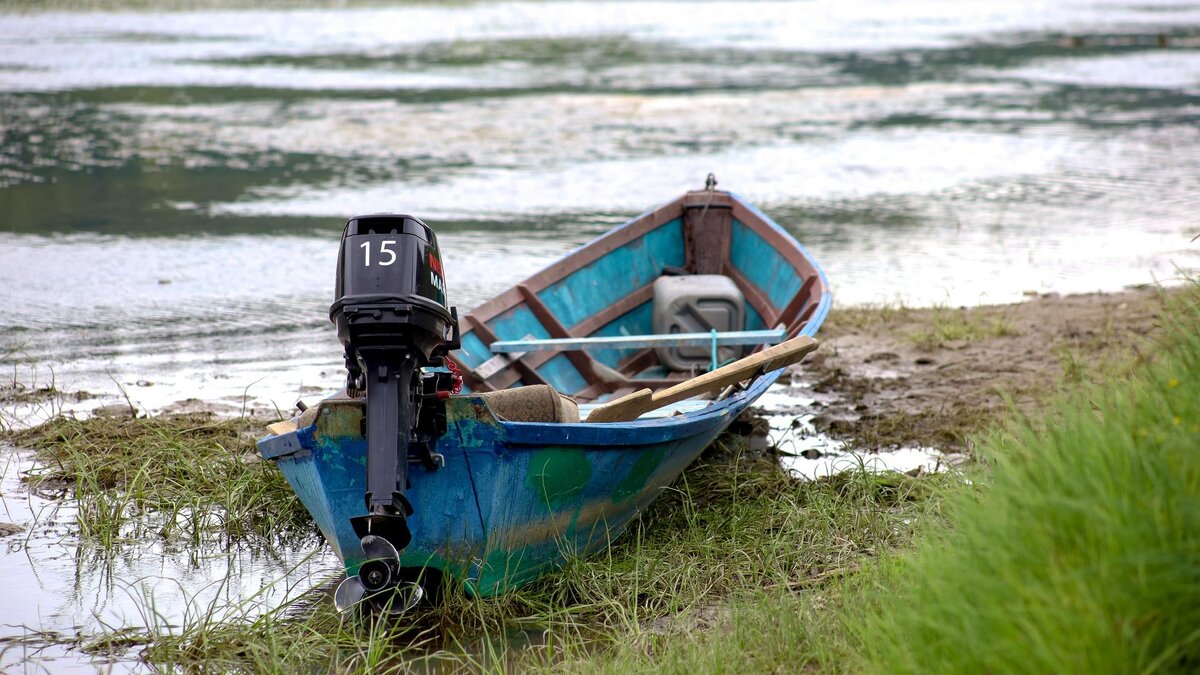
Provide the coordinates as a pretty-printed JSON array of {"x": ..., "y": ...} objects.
[{"x": 892, "y": 376}]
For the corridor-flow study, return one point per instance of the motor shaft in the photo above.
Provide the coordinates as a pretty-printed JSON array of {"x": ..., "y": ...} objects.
[{"x": 391, "y": 412}]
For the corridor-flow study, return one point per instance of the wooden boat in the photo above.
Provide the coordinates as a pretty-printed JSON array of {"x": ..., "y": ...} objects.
[{"x": 507, "y": 500}]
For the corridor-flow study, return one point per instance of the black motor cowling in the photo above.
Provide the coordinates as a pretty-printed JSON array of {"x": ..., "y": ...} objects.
[
  {"x": 392, "y": 317},
  {"x": 391, "y": 291}
]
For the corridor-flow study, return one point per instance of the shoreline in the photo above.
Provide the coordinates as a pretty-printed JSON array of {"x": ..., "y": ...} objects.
[{"x": 884, "y": 377}]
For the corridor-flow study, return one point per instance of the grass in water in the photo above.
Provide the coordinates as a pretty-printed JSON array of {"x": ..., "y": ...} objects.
[
  {"x": 735, "y": 526},
  {"x": 175, "y": 476}
]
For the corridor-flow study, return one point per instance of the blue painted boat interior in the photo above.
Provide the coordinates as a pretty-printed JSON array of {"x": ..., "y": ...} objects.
[{"x": 593, "y": 287}]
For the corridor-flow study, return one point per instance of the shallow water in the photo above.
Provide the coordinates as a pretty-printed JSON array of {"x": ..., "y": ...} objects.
[
  {"x": 810, "y": 455},
  {"x": 173, "y": 184},
  {"x": 61, "y": 592}
]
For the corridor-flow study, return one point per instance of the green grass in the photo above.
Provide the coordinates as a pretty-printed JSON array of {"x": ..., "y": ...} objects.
[
  {"x": 179, "y": 477},
  {"x": 1074, "y": 547},
  {"x": 1081, "y": 553},
  {"x": 948, "y": 325},
  {"x": 735, "y": 527},
  {"x": 940, "y": 326}
]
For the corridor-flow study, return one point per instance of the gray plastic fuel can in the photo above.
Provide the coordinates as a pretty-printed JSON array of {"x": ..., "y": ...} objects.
[{"x": 697, "y": 303}]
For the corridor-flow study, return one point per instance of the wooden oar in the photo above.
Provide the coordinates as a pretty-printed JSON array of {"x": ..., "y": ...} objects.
[
  {"x": 281, "y": 428},
  {"x": 633, "y": 405}
]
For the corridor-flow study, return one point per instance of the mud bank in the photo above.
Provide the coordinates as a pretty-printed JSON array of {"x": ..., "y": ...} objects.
[{"x": 890, "y": 377}]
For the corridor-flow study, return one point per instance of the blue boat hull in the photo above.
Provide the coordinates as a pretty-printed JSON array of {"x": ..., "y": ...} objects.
[{"x": 514, "y": 499}]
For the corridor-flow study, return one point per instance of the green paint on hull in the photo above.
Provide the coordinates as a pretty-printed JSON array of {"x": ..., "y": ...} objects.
[
  {"x": 504, "y": 570},
  {"x": 558, "y": 475},
  {"x": 647, "y": 463}
]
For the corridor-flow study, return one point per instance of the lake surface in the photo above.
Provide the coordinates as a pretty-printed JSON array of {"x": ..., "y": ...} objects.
[{"x": 173, "y": 185}]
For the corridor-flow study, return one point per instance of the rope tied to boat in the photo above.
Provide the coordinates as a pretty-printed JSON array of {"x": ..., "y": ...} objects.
[{"x": 710, "y": 186}]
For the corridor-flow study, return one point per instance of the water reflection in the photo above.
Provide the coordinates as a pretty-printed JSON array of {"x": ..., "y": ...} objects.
[
  {"x": 810, "y": 455},
  {"x": 61, "y": 591}
]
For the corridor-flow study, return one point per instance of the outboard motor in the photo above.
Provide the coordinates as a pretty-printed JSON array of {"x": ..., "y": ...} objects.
[{"x": 392, "y": 317}]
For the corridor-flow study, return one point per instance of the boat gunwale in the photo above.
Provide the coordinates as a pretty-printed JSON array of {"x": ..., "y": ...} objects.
[
  {"x": 616, "y": 435},
  {"x": 636, "y": 432}
]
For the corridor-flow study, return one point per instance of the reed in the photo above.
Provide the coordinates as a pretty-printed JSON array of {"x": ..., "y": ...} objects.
[{"x": 186, "y": 477}]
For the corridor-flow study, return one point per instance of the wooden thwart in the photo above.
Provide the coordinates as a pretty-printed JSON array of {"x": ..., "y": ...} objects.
[
  {"x": 738, "y": 337},
  {"x": 633, "y": 405}
]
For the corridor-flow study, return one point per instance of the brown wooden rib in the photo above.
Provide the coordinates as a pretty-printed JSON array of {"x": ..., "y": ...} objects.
[
  {"x": 638, "y": 362},
  {"x": 534, "y": 360},
  {"x": 785, "y": 245},
  {"x": 754, "y": 296},
  {"x": 527, "y": 371},
  {"x": 510, "y": 376},
  {"x": 808, "y": 312},
  {"x": 614, "y": 311},
  {"x": 810, "y": 294},
  {"x": 581, "y": 360},
  {"x": 790, "y": 313}
]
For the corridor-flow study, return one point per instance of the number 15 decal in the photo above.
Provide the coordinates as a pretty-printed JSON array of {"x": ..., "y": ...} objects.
[{"x": 384, "y": 250}]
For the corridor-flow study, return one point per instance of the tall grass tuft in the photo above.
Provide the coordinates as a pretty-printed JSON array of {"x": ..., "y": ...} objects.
[
  {"x": 1081, "y": 553},
  {"x": 189, "y": 478}
]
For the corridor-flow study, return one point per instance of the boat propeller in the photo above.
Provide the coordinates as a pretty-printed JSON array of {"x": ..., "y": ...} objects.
[{"x": 378, "y": 581}]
